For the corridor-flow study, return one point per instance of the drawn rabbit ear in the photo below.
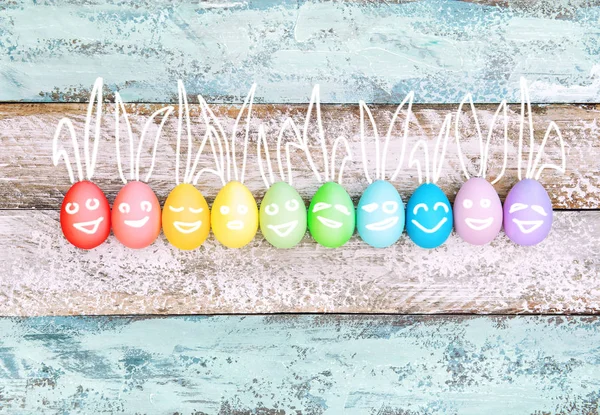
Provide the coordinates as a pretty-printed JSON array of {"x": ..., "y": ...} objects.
[
  {"x": 562, "y": 168},
  {"x": 501, "y": 111},
  {"x": 414, "y": 161},
  {"x": 405, "y": 105},
  {"x": 216, "y": 133},
  {"x": 161, "y": 116},
  {"x": 365, "y": 111},
  {"x": 460, "y": 119},
  {"x": 525, "y": 127},
  {"x": 121, "y": 116},
  {"x": 260, "y": 143},
  {"x": 59, "y": 151},
  {"x": 315, "y": 105},
  {"x": 439, "y": 152},
  {"x": 288, "y": 125},
  {"x": 93, "y": 120},
  {"x": 347, "y": 157},
  {"x": 247, "y": 110}
]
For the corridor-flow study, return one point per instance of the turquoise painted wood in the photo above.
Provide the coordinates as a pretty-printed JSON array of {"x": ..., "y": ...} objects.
[
  {"x": 376, "y": 50},
  {"x": 301, "y": 365}
]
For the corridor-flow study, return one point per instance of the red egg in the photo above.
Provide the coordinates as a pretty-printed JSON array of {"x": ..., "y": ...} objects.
[
  {"x": 85, "y": 215},
  {"x": 136, "y": 216}
]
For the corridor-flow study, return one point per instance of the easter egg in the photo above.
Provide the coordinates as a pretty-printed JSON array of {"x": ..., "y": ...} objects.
[
  {"x": 380, "y": 215},
  {"x": 428, "y": 216},
  {"x": 85, "y": 215},
  {"x": 527, "y": 213},
  {"x": 234, "y": 215},
  {"x": 136, "y": 215},
  {"x": 282, "y": 216},
  {"x": 186, "y": 217},
  {"x": 477, "y": 212},
  {"x": 331, "y": 216}
]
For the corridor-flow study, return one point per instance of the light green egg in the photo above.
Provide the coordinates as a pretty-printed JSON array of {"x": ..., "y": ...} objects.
[
  {"x": 282, "y": 216},
  {"x": 331, "y": 215}
]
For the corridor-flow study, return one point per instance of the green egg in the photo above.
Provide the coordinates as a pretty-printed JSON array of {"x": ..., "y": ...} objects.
[
  {"x": 331, "y": 215},
  {"x": 282, "y": 216}
]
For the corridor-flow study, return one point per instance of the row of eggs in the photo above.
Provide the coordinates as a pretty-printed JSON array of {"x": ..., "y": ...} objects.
[{"x": 380, "y": 216}]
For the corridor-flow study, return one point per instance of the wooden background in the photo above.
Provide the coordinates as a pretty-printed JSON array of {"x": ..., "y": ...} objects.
[{"x": 380, "y": 363}]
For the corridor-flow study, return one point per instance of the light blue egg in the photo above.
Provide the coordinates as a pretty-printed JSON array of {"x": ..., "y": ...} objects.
[
  {"x": 428, "y": 216},
  {"x": 380, "y": 215}
]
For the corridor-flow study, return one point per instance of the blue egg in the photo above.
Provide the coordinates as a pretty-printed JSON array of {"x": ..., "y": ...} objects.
[
  {"x": 380, "y": 215},
  {"x": 428, "y": 216}
]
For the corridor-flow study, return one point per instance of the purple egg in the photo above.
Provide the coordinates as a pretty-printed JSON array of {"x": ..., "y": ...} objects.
[
  {"x": 527, "y": 213},
  {"x": 477, "y": 212}
]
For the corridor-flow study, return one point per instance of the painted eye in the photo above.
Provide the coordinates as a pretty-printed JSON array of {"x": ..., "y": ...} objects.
[
  {"x": 442, "y": 205},
  {"x": 272, "y": 209},
  {"x": 390, "y": 207},
  {"x": 124, "y": 207},
  {"x": 420, "y": 206},
  {"x": 92, "y": 204},
  {"x": 174, "y": 209},
  {"x": 242, "y": 209},
  {"x": 224, "y": 210},
  {"x": 195, "y": 210},
  {"x": 72, "y": 208},
  {"x": 343, "y": 209},
  {"x": 467, "y": 203},
  {"x": 146, "y": 206},
  {"x": 292, "y": 205},
  {"x": 370, "y": 208},
  {"x": 485, "y": 203},
  {"x": 321, "y": 206},
  {"x": 515, "y": 207},
  {"x": 539, "y": 209}
]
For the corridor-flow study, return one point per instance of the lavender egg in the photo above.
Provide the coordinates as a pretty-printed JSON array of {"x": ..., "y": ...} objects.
[
  {"x": 527, "y": 213},
  {"x": 477, "y": 212}
]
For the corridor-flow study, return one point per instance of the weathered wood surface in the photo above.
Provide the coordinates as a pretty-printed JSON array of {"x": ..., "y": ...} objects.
[
  {"x": 30, "y": 180},
  {"x": 371, "y": 50},
  {"x": 386, "y": 365},
  {"x": 42, "y": 274}
]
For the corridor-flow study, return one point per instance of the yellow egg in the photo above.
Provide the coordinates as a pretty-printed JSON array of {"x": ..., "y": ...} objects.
[
  {"x": 186, "y": 217},
  {"x": 234, "y": 215}
]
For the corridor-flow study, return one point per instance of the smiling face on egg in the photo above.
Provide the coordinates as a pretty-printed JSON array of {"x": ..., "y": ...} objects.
[
  {"x": 380, "y": 215},
  {"x": 331, "y": 216},
  {"x": 234, "y": 215},
  {"x": 136, "y": 216},
  {"x": 186, "y": 217},
  {"x": 85, "y": 215},
  {"x": 428, "y": 216},
  {"x": 527, "y": 213},
  {"x": 477, "y": 212},
  {"x": 282, "y": 216}
]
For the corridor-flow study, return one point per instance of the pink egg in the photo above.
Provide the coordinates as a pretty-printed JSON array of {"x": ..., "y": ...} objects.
[
  {"x": 136, "y": 216},
  {"x": 477, "y": 212}
]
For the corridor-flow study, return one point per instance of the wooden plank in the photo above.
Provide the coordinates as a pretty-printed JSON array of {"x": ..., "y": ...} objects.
[
  {"x": 30, "y": 180},
  {"x": 301, "y": 364},
  {"x": 375, "y": 50},
  {"x": 42, "y": 274}
]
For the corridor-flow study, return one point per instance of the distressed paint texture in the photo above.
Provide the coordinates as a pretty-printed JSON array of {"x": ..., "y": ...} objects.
[
  {"x": 308, "y": 365},
  {"x": 43, "y": 274},
  {"x": 30, "y": 180},
  {"x": 376, "y": 51}
]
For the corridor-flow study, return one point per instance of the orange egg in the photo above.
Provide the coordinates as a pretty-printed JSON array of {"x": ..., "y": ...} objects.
[{"x": 186, "y": 217}]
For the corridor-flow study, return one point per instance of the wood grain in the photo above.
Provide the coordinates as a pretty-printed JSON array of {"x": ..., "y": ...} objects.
[
  {"x": 42, "y": 274},
  {"x": 30, "y": 180},
  {"x": 386, "y": 365},
  {"x": 371, "y": 50}
]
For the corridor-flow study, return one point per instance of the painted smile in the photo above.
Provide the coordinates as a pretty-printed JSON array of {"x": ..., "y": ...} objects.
[
  {"x": 235, "y": 225},
  {"x": 383, "y": 224},
  {"x": 89, "y": 227},
  {"x": 528, "y": 226},
  {"x": 432, "y": 230},
  {"x": 187, "y": 227},
  {"x": 284, "y": 229},
  {"x": 330, "y": 223},
  {"x": 137, "y": 223},
  {"x": 479, "y": 224}
]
